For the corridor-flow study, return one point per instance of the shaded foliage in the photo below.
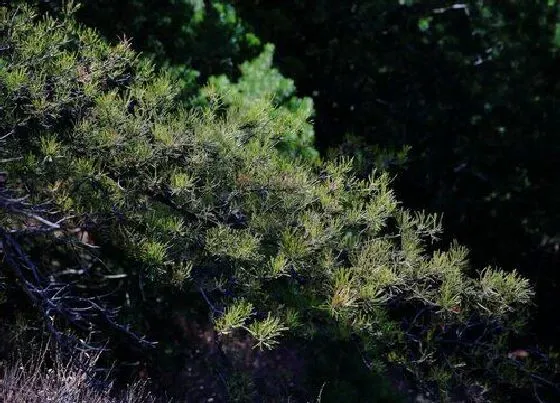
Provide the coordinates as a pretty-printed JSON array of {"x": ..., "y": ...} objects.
[
  {"x": 469, "y": 89},
  {"x": 195, "y": 36}
]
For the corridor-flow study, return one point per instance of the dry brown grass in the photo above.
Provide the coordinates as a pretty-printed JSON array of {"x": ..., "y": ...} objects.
[{"x": 35, "y": 381}]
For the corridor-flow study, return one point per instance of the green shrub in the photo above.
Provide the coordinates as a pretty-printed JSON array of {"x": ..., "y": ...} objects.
[{"x": 129, "y": 190}]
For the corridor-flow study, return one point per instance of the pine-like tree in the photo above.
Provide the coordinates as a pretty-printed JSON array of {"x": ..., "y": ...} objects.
[{"x": 110, "y": 182}]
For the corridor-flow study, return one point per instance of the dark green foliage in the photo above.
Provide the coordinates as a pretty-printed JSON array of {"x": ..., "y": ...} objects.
[
  {"x": 205, "y": 36},
  {"x": 167, "y": 205},
  {"x": 471, "y": 87}
]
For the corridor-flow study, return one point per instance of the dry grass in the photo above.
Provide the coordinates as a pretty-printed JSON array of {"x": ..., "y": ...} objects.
[{"x": 33, "y": 381}]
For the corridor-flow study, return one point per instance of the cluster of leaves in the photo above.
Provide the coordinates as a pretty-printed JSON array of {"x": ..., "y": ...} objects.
[
  {"x": 261, "y": 83},
  {"x": 467, "y": 91},
  {"x": 157, "y": 195},
  {"x": 198, "y": 40},
  {"x": 469, "y": 88}
]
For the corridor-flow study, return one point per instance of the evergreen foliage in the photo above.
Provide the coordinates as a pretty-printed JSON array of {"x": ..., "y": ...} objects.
[
  {"x": 111, "y": 184},
  {"x": 261, "y": 82},
  {"x": 469, "y": 88},
  {"x": 200, "y": 38},
  {"x": 196, "y": 41}
]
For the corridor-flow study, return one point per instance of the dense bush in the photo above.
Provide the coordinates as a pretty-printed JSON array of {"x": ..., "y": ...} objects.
[{"x": 115, "y": 194}]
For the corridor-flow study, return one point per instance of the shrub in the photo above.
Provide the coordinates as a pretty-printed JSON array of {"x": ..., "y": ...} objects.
[{"x": 113, "y": 185}]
